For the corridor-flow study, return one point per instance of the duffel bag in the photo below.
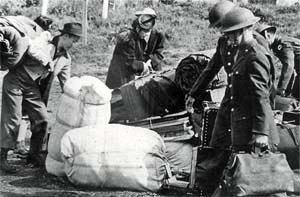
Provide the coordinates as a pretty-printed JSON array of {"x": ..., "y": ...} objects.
[
  {"x": 162, "y": 94},
  {"x": 289, "y": 143},
  {"x": 114, "y": 156}
]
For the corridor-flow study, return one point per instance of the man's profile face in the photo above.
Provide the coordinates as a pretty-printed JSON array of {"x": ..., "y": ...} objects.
[{"x": 69, "y": 40}]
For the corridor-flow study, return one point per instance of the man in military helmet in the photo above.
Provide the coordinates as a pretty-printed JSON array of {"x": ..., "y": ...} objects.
[
  {"x": 287, "y": 49},
  {"x": 224, "y": 56},
  {"x": 138, "y": 50},
  {"x": 250, "y": 82}
]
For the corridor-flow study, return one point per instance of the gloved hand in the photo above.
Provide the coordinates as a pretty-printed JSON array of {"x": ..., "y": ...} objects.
[{"x": 189, "y": 102}]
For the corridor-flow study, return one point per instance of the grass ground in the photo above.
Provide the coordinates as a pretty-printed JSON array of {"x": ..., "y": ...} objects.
[{"x": 186, "y": 30}]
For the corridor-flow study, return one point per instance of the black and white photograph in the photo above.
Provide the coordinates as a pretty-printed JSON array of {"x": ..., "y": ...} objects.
[{"x": 102, "y": 98}]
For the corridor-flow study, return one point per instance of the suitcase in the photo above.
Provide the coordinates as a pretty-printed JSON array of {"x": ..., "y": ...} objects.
[
  {"x": 289, "y": 143},
  {"x": 292, "y": 117},
  {"x": 208, "y": 163},
  {"x": 172, "y": 127},
  {"x": 209, "y": 113}
]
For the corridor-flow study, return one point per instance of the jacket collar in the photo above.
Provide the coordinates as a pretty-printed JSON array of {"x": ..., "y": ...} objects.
[{"x": 57, "y": 54}]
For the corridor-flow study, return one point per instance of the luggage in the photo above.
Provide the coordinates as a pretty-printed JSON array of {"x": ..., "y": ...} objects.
[
  {"x": 172, "y": 127},
  {"x": 153, "y": 95},
  {"x": 210, "y": 162},
  {"x": 190, "y": 68},
  {"x": 114, "y": 156},
  {"x": 290, "y": 143},
  {"x": 209, "y": 113},
  {"x": 162, "y": 94},
  {"x": 285, "y": 103},
  {"x": 258, "y": 174},
  {"x": 291, "y": 117},
  {"x": 85, "y": 101},
  {"x": 176, "y": 131}
]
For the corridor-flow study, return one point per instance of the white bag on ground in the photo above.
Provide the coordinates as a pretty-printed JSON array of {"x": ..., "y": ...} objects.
[
  {"x": 85, "y": 101},
  {"x": 114, "y": 156}
]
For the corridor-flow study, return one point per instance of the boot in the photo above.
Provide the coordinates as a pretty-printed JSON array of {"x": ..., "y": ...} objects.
[
  {"x": 21, "y": 150},
  {"x": 35, "y": 157},
  {"x": 4, "y": 165}
]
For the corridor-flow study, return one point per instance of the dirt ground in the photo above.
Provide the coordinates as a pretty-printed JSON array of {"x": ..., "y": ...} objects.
[{"x": 37, "y": 182}]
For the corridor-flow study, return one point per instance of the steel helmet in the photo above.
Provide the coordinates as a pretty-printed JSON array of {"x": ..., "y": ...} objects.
[
  {"x": 238, "y": 18},
  {"x": 218, "y": 11},
  {"x": 262, "y": 27}
]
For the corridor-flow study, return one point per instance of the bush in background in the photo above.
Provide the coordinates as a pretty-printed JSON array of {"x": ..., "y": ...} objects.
[{"x": 184, "y": 25}]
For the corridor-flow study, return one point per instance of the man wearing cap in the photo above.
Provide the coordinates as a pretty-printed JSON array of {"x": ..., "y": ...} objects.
[
  {"x": 138, "y": 50},
  {"x": 251, "y": 81},
  {"x": 44, "y": 56},
  {"x": 287, "y": 49}
]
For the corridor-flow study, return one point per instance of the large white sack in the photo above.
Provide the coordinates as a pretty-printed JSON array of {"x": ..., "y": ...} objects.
[
  {"x": 85, "y": 101},
  {"x": 114, "y": 156}
]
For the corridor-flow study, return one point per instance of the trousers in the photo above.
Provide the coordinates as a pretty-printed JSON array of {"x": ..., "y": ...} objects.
[{"x": 20, "y": 92}]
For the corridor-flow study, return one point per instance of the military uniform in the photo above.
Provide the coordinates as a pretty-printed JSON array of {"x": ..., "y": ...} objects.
[
  {"x": 287, "y": 49},
  {"x": 224, "y": 56},
  {"x": 251, "y": 83}
]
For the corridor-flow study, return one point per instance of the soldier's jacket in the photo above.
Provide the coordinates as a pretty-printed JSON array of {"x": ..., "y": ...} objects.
[
  {"x": 224, "y": 56},
  {"x": 287, "y": 49},
  {"x": 251, "y": 82}
]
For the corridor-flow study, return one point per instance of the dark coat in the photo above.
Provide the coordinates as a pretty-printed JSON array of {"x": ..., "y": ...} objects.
[
  {"x": 251, "y": 83},
  {"x": 224, "y": 56},
  {"x": 129, "y": 55},
  {"x": 287, "y": 49}
]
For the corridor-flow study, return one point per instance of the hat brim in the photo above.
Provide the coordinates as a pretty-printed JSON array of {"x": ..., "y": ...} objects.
[
  {"x": 212, "y": 25},
  {"x": 240, "y": 26},
  {"x": 72, "y": 33}
]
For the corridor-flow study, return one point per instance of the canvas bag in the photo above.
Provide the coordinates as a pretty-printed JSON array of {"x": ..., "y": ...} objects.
[
  {"x": 85, "y": 102},
  {"x": 258, "y": 174},
  {"x": 114, "y": 156}
]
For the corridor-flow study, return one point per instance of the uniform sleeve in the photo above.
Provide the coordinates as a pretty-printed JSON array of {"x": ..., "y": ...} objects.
[
  {"x": 157, "y": 57},
  {"x": 37, "y": 48},
  {"x": 19, "y": 46},
  {"x": 207, "y": 74},
  {"x": 287, "y": 59},
  {"x": 259, "y": 75}
]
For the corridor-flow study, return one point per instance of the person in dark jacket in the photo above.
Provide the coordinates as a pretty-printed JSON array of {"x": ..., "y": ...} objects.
[
  {"x": 252, "y": 121},
  {"x": 287, "y": 49},
  {"x": 224, "y": 56},
  {"x": 138, "y": 50}
]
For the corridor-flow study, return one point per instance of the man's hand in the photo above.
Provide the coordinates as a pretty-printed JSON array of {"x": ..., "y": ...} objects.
[
  {"x": 147, "y": 68},
  {"x": 260, "y": 141},
  {"x": 189, "y": 102}
]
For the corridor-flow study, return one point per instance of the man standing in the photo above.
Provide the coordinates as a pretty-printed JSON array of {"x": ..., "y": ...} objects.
[
  {"x": 287, "y": 49},
  {"x": 44, "y": 56},
  {"x": 138, "y": 50},
  {"x": 251, "y": 81},
  {"x": 224, "y": 56}
]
